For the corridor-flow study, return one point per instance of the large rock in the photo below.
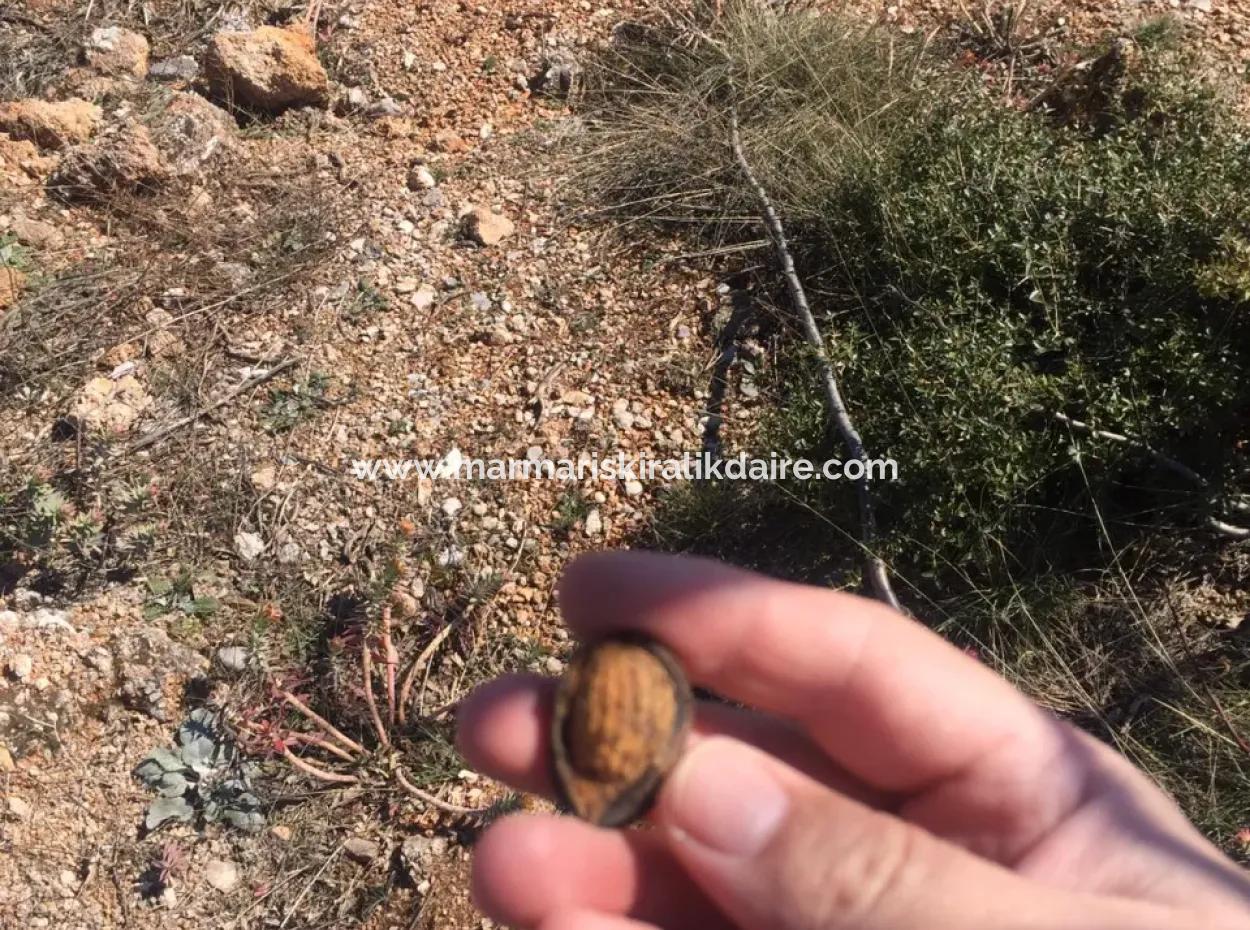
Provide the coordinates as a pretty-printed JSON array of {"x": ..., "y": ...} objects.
[
  {"x": 21, "y": 164},
  {"x": 269, "y": 69},
  {"x": 190, "y": 132},
  {"x": 126, "y": 162},
  {"x": 50, "y": 125},
  {"x": 115, "y": 51}
]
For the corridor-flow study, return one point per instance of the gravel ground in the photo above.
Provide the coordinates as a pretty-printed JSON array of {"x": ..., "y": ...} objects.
[{"x": 564, "y": 339}]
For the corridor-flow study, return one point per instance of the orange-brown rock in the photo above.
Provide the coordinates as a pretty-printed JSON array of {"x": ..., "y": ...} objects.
[
  {"x": 50, "y": 125},
  {"x": 115, "y": 51},
  {"x": 269, "y": 69},
  {"x": 486, "y": 227},
  {"x": 622, "y": 714},
  {"x": 21, "y": 163},
  {"x": 124, "y": 162}
]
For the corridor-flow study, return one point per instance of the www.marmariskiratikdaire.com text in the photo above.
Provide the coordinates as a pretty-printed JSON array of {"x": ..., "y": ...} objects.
[{"x": 455, "y": 466}]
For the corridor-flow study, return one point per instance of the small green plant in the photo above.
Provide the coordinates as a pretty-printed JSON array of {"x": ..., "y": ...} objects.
[
  {"x": 571, "y": 508},
  {"x": 202, "y": 779},
  {"x": 12, "y": 254},
  {"x": 177, "y": 594},
  {"x": 289, "y": 407}
]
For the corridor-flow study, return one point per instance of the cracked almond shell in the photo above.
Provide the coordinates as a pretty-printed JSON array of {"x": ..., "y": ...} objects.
[{"x": 622, "y": 713}]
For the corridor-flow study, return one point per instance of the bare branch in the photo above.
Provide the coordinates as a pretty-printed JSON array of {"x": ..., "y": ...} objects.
[
  {"x": 321, "y": 721},
  {"x": 1171, "y": 464},
  {"x": 319, "y": 773},
  {"x": 366, "y": 668},
  {"x": 877, "y": 575},
  {"x": 427, "y": 798}
]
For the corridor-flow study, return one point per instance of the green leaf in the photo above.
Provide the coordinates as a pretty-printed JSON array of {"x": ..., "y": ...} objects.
[
  {"x": 155, "y": 765},
  {"x": 163, "y": 810},
  {"x": 200, "y": 607}
]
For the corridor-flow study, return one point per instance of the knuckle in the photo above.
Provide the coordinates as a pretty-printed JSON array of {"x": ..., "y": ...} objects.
[{"x": 868, "y": 876}]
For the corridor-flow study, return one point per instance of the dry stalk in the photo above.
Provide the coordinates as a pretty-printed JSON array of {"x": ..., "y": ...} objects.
[
  {"x": 1171, "y": 464},
  {"x": 319, "y": 773},
  {"x": 326, "y": 725},
  {"x": 878, "y": 576},
  {"x": 427, "y": 798},
  {"x": 366, "y": 668}
]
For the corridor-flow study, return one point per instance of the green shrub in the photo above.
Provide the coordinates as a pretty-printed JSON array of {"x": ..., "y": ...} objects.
[
  {"x": 978, "y": 270},
  {"x": 996, "y": 270}
]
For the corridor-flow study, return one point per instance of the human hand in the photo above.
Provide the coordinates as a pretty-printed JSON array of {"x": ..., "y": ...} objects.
[{"x": 884, "y": 781}]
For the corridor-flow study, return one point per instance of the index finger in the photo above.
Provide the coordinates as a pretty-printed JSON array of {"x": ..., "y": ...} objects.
[{"x": 890, "y": 701}]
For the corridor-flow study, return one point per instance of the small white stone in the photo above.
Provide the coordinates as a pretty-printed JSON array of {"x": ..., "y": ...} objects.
[
  {"x": 423, "y": 299},
  {"x": 20, "y": 666},
  {"x": 221, "y": 874},
  {"x": 19, "y": 808},
  {"x": 249, "y": 546},
  {"x": 425, "y": 177},
  {"x": 452, "y": 506},
  {"x": 633, "y": 488},
  {"x": 594, "y": 523}
]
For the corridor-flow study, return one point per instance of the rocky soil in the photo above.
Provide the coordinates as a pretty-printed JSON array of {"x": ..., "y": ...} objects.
[{"x": 237, "y": 254}]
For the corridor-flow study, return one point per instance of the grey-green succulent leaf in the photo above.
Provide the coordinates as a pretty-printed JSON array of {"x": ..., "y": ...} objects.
[{"x": 163, "y": 810}]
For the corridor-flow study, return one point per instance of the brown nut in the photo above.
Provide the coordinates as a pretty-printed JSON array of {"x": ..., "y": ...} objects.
[{"x": 622, "y": 713}]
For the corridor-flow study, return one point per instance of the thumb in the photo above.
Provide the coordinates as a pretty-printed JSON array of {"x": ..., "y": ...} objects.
[{"x": 778, "y": 851}]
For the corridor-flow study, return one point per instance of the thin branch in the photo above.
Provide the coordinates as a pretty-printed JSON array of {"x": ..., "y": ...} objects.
[
  {"x": 405, "y": 691},
  {"x": 431, "y": 800},
  {"x": 310, "y": 740},
  {"x": 319, "y": 773},
  {"x": 366, "y": 668},
  {"x": 1171, "y": 464},
  {"x": 391, "y": 656},
  {"x": 321, "y": 721},
  {"x": 877, "y": 575},
  {"x": 164, "y": 432}
]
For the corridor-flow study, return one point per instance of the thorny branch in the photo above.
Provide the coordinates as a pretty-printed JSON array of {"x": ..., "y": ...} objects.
[{"x": 877, "y": 575}]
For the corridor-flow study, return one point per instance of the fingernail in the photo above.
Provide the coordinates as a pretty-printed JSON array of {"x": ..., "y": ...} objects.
[{"x": 723, "y": 796}]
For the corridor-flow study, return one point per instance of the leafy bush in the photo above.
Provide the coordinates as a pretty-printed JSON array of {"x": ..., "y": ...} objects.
[
  {"x": 979, "y": 272},
  {"x": 997, "y": 271}
]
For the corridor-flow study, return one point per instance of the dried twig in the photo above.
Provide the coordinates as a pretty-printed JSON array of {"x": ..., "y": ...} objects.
[
  {"x": 405, "y": 691},
  {"x": 164, "y": 432},
  {"x": 877, "y": 575},
  {"x": 319, "y": 773},
  {"x": 1171, "y": 464},
  {"x": 321, "y": 721},
  {"x": 391, "y": 657},
  {"x": 366, "y": 668},
  {"x": 426, "y": 797}
]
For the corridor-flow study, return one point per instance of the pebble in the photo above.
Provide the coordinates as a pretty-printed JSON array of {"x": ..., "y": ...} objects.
[
  {"x": 452, "y": 506},
  {"x": 633, "y": 488},
  {"x": 423, "y": 299},
  {"x": 422, "y": 178},
  {"x": 362, "y": 850},
  {"x": 222, "y": 875},
  {"x": 19, "y": 808},
  {"x": 20, "y": 666},
  {"x": 233, "y": 658},
  {"x": 594, "y": 523},
  {"x": 249, "y": 546}
]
